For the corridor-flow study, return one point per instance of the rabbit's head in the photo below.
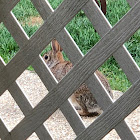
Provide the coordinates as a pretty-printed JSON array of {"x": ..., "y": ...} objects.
[{"x": 55, "y": 55}]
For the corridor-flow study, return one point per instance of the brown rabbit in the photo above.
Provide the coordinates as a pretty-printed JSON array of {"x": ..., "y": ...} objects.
[{"x": 82, "y": 98}]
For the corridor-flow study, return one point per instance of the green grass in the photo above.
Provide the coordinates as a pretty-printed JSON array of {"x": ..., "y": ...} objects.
[
  {"x": 82, "y": 32},
  {"x": 24, "y": 9}
]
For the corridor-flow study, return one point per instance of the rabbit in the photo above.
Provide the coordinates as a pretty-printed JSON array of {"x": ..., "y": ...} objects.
[{"x": 82, "y": 98}]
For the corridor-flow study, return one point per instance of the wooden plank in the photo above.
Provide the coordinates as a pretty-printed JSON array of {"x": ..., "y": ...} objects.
[
  {"x": 65, "y": 40},
  {"x": 132, "y": 2},
  {"x": 25, "y": 106},
  {"x": 72, "y": 50},
  {"x": 69, "y": 46},
  {"x": 65, "y": 12},
  {"x": 43, "y": 7},
  {"x": 97, "y": 89},
  {"x": 93, "y": 84},
  {"x": 104, "y": 101},
  {"x": 69, "y": 112},
  {"x": 3, "y": 130},
  {"x": 6, "y": 7},
  {"x": 127, "y": 64},
  {"x": 123, "y": 58},
  {"x": 102, "y": 26},
  {"x": 16, "y": 30},
  {"x": 44, "y": 73},
  {"x": 73, "y": 79},
  {"x": 113, "y": 115}
]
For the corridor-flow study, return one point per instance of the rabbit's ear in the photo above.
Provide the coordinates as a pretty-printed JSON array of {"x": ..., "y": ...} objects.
[{"x": 56, "y": 46}]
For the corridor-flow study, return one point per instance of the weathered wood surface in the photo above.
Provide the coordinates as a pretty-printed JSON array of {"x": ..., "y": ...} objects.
[
  {"x": 3, "y": 130},
  {"x": 113, "y": 115},
  {"x": 72, "y": 117},
  {"x": 96, "y": 87},
  {"x": 115, "y": 38},
  {"x": 66, "y": 41},
  {"x": 69, "y": 112},
  {"x": 102, "y": 26},
  {"x": 43, "y": 72},
  {"x": 132, "y": 2},
  {"x": 105, "y": 102},
  {"x": 30, "y": 48},
  {"x": 25, "y": 107},
  {"x": 6, "y": 7},
  {"x": 56, "y": 22}
]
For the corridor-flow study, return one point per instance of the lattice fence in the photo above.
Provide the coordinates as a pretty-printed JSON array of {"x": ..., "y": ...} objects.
[{"x": 111, "y": 43}]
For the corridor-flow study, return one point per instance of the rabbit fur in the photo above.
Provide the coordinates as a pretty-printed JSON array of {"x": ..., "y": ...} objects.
[{"x": 82, "y": 98}]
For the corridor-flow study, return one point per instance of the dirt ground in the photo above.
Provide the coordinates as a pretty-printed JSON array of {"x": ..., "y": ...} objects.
[{"x": 56, "y": 124}]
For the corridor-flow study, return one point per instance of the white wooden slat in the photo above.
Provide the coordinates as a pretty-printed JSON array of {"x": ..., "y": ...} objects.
[
  {"x": 51, "y": 102},
  {"x": 43, "y": 72},
  {"x": 102, "y": 26},
  {"x": 113, "y": 115},
  {"x": 38, "y": 42},
  {"x": 25, "y": 105}
]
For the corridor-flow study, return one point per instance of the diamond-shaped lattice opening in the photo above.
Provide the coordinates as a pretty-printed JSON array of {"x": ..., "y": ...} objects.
[
  {"x": 117, "y": 78},
  {"x": 8, "y": 46},
  {"x": 133, "y": 120},
  {"x": 133, "y": 46},
  {"x": 59, "y": 127},
  {"x": 83, "y": 33},
  {"x": 116, "y": 10},
  {"x": 55, "y": 3},
  {"x": 112, "y": 135},
  {"x": 32, "y": 86},
  {"x": 9, "y": 111},
  {"x": 28, "y": 16}
]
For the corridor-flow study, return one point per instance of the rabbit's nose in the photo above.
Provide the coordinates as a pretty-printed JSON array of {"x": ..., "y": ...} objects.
[{"x": 46, "y": 57}]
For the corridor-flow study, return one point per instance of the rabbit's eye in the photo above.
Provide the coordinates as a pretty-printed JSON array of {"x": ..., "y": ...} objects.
[{"x": 46, "y": 57}]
